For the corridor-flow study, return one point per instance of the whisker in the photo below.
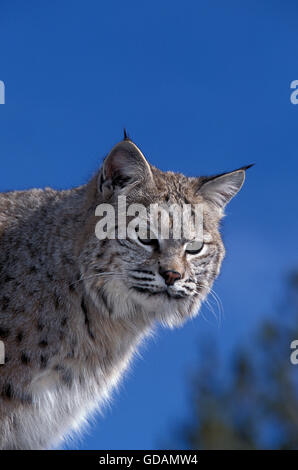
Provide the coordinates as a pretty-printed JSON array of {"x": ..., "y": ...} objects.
[
  {"x": 218, "y": 301},
  {"x": 216, "y": 296},
  {"x": 211, "y": 309}
]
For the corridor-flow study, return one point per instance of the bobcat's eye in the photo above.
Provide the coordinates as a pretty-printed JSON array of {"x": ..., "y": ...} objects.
[
  {"x": 149, "y": 242},
  {"x": 194, "y": 248}
]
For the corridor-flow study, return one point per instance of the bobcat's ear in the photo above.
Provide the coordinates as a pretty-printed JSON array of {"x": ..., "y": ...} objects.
[
  {"x": 124, "y": 166},
  {"x": 222, "y": 188}
]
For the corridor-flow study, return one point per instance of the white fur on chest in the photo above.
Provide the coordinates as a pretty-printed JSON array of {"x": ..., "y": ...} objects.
[{"x": 61, "y": 410}]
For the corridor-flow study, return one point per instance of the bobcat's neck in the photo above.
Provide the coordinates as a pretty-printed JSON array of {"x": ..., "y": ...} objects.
[{"x": 94, "y": 341}]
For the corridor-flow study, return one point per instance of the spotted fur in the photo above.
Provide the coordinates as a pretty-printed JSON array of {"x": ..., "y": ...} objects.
[{"x": 74, "y": 309}]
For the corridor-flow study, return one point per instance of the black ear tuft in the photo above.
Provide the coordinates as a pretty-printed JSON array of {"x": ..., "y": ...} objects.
[
  {"x": 220, "y": 189},
  {"x": 246, "y": 167}
]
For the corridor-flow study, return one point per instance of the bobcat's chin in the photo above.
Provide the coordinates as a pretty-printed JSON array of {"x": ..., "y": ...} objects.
[
  {"x": 164, "y": 306},
  {"x": 116, "y": 300}
]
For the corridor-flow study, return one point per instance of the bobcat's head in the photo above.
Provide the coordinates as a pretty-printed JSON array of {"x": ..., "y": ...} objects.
[{"x": 165, "y": 277}]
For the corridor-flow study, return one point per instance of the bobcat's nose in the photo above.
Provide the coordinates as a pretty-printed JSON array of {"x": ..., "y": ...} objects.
[{"x": 169, "y": 276}]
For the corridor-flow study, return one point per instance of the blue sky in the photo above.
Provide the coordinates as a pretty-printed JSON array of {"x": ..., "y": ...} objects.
[{"x": 202, "y": 87}]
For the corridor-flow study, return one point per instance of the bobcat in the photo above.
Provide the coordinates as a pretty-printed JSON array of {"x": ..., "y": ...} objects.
[{"x": 74, "y": 309}]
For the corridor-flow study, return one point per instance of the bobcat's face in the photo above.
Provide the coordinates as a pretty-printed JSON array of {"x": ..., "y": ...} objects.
[{"x": 166, "y": 277}]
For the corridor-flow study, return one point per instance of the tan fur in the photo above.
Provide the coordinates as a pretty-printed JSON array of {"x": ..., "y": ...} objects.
[{"x": 70, "y": 330}]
